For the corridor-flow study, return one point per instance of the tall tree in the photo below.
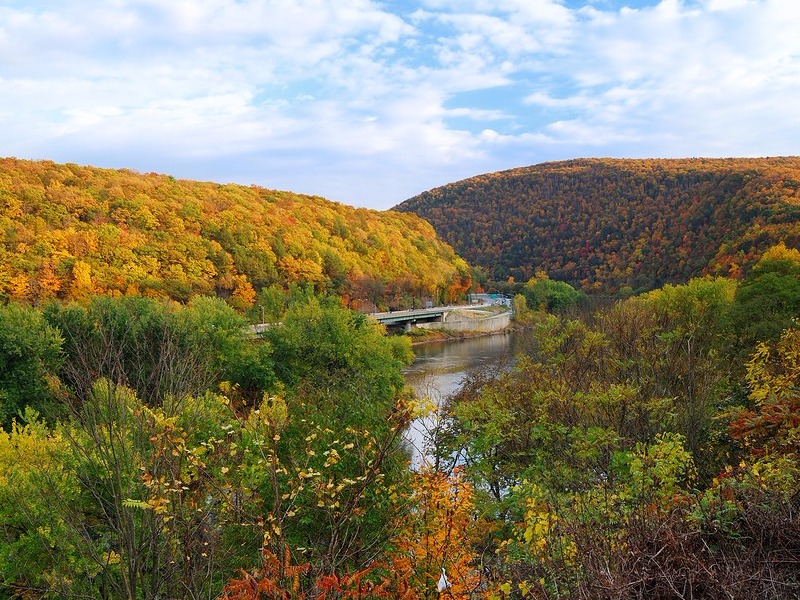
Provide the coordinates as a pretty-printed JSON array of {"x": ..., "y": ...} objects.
[{"x": 30, "y": 356}]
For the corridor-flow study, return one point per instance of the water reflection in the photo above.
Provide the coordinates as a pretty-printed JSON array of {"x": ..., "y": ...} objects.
[{"x": 439, "y": 371}]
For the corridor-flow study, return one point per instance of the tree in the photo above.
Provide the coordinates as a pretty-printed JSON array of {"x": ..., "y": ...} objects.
[
  {"x": 434, "y": 536},
  {"x": 243, "y": 295},
  {"x": 542, "y": 293},
  {"x": 82, "y": 285},
  {"x": 439, "y": 535},
  {"x": 40, "y": 552},
  {"x": 690, "y": 365},
  {"x": 769, "y": 429},
  {"x": 158, "y": 349},
  {"x": 766, "y": 300},
  {"x": 157, "y": 506},
  {"x": 322, "y": 346},
  {"x": 331, "y": 495},
  {"x": 338, "y": 368},
  {"x": 30, "y": 355}
]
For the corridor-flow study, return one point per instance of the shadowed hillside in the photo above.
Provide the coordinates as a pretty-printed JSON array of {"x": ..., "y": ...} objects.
[
  {"x": 68, "y": 231},
  {"x": 607, "y": 223}
]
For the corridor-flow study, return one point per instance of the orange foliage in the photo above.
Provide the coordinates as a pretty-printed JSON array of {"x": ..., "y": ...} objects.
[
  {"x": 277, "y": 578},
  {"x": 439, "y": 534},
  {"x": 47, "y": 282},
  {"x": 67, "y": 231},
  {"x": 19, "y": 288},
  {"x": 243, "y": 295}
]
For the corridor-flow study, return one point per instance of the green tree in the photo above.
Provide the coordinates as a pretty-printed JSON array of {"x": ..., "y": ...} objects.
[
  {"x": 159, "y": 349},
  {"x": 347, "y": 406},
  {"x": 41, "y": 553},
  {"x": 542, "y": 293},
  {"x": 30, "y": 355},
  {"x": 766, "y": 301},
  {"x": 159, "y": 510},
  {"x": 323, "y": 346},
  {"x": 690, "y": 364},
  {"x": 270, "y": 306}
]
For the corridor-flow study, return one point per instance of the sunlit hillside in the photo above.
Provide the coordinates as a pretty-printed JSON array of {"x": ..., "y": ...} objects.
[{"x": 69, "y": 231}]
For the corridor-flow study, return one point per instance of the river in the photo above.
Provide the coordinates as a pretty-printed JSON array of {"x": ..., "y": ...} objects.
[{"x": 439, "y": 370}]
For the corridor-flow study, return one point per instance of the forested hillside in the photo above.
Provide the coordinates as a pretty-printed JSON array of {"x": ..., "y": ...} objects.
[
  {"x": 68, "y": 231},
  {"x": 605, "y": 224}
]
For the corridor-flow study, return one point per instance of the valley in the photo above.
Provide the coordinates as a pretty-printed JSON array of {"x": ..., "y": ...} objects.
[{"x": 635, "y": 434}]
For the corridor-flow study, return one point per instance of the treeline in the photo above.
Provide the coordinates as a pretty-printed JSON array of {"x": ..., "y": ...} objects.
[
  {"x": 68, "y": 232},
  {"x": 649, "y": 450},
  {"x": 606, "y": 225}
]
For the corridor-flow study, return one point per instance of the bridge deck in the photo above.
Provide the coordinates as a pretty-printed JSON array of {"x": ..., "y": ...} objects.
[{"x": 401, "y": 316}]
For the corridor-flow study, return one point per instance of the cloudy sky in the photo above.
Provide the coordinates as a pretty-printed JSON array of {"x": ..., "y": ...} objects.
[{"x": 370, "y": 102}]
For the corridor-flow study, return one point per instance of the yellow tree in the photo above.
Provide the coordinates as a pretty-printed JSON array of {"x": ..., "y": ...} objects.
[
  {"x": 82, "y": 284},
  {"x": 20, "y": 288},
  {"x": 243, "y": 295},
  {"x": 435, "y": 544}
]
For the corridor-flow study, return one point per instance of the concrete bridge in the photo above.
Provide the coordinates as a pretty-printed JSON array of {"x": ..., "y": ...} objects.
[
  {"x": 429, "y": 318},
  {"x": 405, "y": 318},
  {"x": 410, "y": 318},
  {"x": 454, "y": 317}
]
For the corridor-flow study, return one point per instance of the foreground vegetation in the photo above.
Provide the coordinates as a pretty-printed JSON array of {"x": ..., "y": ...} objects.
[
  {"x": 154, "y": 450},
  {"x": 650, "y": 451}
]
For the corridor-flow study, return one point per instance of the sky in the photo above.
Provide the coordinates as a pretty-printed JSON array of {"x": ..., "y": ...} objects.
[{"x": 371, "y": 102}]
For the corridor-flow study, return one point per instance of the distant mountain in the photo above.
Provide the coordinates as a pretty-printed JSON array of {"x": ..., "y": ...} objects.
[
  {"x": 607, "y": 223},
  {"x": 67, "y": 231}
]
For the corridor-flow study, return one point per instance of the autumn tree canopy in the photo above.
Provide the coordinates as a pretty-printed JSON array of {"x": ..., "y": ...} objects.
[
  {"x": 69, "y": 231},
  {"x": 606, "y": 225}
]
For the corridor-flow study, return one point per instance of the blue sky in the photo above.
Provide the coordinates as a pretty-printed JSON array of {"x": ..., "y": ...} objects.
[{"x": 370, "y": 102}]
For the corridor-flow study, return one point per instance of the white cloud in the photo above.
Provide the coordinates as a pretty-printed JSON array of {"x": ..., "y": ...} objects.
[
  {"x": 727, "y": 4},
  {"x": 370, "y": 102},
  {"x": 676, "y": 68}
]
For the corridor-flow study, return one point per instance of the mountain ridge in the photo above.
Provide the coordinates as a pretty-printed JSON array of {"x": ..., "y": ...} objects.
[{"x": 606, "y": 224}]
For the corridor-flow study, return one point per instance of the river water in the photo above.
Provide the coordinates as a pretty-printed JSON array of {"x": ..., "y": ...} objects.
[{"x": 439, "y": 370}]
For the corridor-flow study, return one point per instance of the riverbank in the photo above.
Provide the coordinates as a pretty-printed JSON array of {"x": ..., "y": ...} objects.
[
  {"x": 428, "y": 336},
  {"x": 467, "y": 321}
]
